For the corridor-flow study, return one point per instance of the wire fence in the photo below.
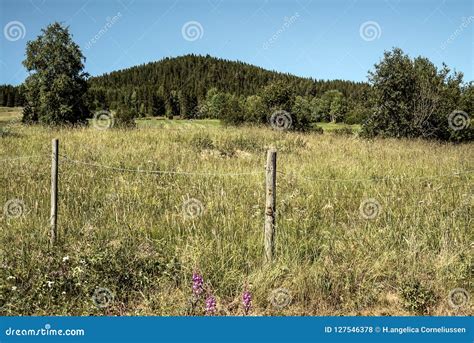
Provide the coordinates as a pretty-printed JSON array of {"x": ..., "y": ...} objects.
[
  {"x": 286, "y": 176},
  {"x": 67, "y": 159}
]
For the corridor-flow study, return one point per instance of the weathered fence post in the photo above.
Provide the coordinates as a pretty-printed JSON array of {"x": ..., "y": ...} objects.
[
  {"x": 270, "y": 208},
  {"x": 54, "y": 191}
]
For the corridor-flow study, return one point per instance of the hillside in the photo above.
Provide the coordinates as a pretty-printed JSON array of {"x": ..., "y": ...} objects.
[{"x": 194, "y": 75}]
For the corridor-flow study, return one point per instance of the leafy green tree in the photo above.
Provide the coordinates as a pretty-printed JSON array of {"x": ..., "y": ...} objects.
[
  {"x": 338, "y": 106},
  {"x": 467, "y": 99},
  {"x": 124, "y": 118},
  {"x": 413, "y": 98},
  {"x": 233, "y": 110},
  {"x": 255, "y": 109},
  {"x": 278, "y": 96},
  {"x": 55, "y": 88},
  {"x": 393, "y": 85},
  {"x": 330, "y": 107},
  {"x": 301, "y": 114},
  {"x": 213, "y": 105},
  {"x": 355, "y": 114}
]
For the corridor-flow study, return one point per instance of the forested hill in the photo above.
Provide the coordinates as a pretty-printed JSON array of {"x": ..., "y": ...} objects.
[{"x": 190, "y": 77}]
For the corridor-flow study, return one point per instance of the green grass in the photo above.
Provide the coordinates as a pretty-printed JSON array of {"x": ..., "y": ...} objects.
[
  {"x": 8, "y": 114},
  {"x": 11, "y": 113},
  {"x": 162, "y": 122},
  {"x": 328, "y": 127},
  {"x": 127, "y": 231}
]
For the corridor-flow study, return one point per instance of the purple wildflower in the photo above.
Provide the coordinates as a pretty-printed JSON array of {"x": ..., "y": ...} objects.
[
  {"x": 211, "y": 304},
  {"x": 197, "y": 284},
  {"x": 247, "y": 301}
]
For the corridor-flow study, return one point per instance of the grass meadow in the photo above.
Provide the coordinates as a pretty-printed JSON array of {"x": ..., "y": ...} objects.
[{"x": 141, "y": 235}]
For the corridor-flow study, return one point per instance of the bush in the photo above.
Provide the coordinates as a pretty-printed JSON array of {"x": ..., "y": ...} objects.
[
  {"x": 202, "y": 141},
  {"x": 417, "y": 298},
  {"x": 356, "y": 115},
  {"x": 124, "y": 119},
  {"x": 233, "y": 110},
  {"x": 243, "y": 143},
  {"x": 301, "y": 114}
]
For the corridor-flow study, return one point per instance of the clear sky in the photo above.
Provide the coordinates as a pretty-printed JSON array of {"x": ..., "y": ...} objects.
[{"x": 338, "y": 39}]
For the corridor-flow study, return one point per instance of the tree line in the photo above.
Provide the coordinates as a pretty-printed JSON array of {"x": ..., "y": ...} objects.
[
  {"x": 11, "y": 96},
  {"x": 404, "y": 96},
  {"x": 180, "y": 86}
]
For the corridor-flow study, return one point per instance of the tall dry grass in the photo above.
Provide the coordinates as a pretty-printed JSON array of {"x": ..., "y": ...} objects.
[{"x": 127, "y": 232}]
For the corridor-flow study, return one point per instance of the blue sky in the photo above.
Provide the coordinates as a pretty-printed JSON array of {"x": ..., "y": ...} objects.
[{"x": 339, "y": 39}]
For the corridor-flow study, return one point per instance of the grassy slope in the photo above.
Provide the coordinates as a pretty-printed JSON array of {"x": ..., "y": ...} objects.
[{"x": 127, "y": 231}]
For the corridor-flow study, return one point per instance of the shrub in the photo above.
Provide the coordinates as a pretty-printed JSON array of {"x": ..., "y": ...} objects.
[
  {"x": 301, "y": 114},
  {"x": 124, "y": 119},
  {"x": 233, "y": 110},
  {"x": 244, "y": 143},
  {"x": 356, "y": 115},
  {"x": 417, "y": 298},
  {"x": 202, "y": 141}
]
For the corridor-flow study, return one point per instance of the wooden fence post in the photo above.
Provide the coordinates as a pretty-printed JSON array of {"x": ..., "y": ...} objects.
[
  {"x": 54, "y": 191},
  {"x": 270, "y": 207}
]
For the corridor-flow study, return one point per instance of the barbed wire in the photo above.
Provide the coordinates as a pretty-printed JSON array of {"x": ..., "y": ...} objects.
[
  {"x": 290, "y": 174},
  {"x": 386, "y": 178},
  {"x": 143, "y": 171}
]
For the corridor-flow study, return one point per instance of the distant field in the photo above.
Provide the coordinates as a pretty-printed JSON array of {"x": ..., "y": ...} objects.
[
  {"x": 380, "y": 227},
  {"x": 8, "y": 113},
  {"x": 174, "y": 123}
]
